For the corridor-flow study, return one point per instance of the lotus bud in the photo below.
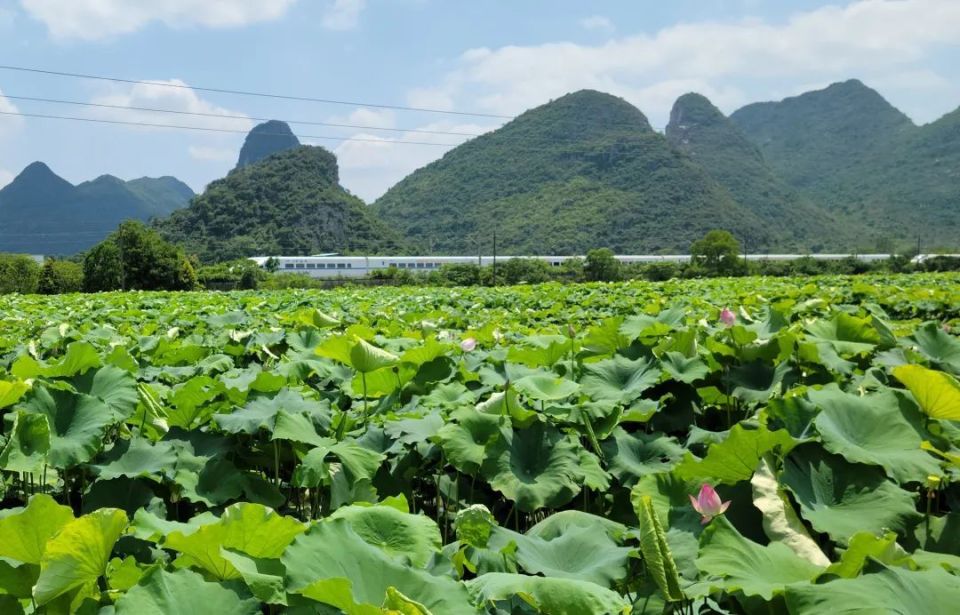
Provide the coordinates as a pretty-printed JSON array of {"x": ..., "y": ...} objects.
[
  {"x": 468, "y": 344},
  {"x": 708, "y": 504},
  {"x": 727, "y": 317}
]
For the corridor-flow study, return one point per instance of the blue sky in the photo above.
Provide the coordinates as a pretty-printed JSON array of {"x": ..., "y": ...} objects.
[{"x": 493, "y": 56}]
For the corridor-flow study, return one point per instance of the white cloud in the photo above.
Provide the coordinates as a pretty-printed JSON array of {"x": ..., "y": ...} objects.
[
  {"x": 97, "y": 19},
  {"x": 343, "y": 14},
  {"x": 5, "y": 177},
  {"x": 743, "y": 60},
  {"x": 8, "y": 123},
  {"x": 212, "y": 154},
  {"x": 364, "y": 116},
  {"x": 597, "y": 23},
  {"x": 157, "y": 96}
]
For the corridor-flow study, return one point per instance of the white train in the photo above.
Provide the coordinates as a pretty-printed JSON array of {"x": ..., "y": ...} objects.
[{"x": 335, "y": 266}]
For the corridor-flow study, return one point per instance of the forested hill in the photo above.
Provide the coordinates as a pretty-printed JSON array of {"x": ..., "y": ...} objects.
[
  {"x": 288, "y": 203},
  {"x": 43, "y": 213},
  {"x": 701, "y": 131},
  {"x": 582, "y": 171},
  {"x": 854, "y": 154}
]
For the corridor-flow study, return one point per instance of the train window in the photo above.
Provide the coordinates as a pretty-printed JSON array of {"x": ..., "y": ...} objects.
[
  {"x": 311, "y": 266},
  {"x": 300, "y": 266},
  {"x": 393, "y": 265},
  {"x": 419, "y": 265},
  {"x": 349, "y": 265},
  {"x": 436, "y": 265},
  {"x": 288, "y": 265},
  {"x": 331, "y": 266},
  {"x": 341, "y": 266}
]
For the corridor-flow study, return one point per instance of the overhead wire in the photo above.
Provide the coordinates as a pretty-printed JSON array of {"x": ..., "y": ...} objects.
[
  {"x": 237, "y": 117},
  {"x": 184, "y": 86}
]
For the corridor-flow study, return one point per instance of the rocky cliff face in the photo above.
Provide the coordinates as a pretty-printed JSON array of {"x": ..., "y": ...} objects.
[{"x": 266, "y": 139}]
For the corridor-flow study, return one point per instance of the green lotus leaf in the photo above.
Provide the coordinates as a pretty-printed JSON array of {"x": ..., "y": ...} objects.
[
  {"x": 28, "y": 443},
  {"x": 872, "y": 430},
  {"x": 138, "y": 457},
  {"x": 682, "y": 368},
  {"x": 566, "y": 520},
  {"x": 11, "y": 392},
  {"x": 535, "y": 467},
  {"x": 619, "y": 379},
  {"x": 405, "y": 537},
  {"x": 261, "y": 413},
  {"x": 474, "y": 525},
  {"x": 150, "y": 527},
  {"x": 757, "y": 381},
  {"x": 78, "y": 554},
  {"x": 579, "y": 553},
  {"x": 160, "y": 593},
  {"x": 550, "y": 596},
  {"x": 892, "y": 590},
  {"x": 366, "y": 358},
  {"x": 630, "y": 456},
  {"x": 77, "y": 424},
  {"x": 540, "y": 350},
  {"x": 16, "y": 583},
  {"x": 80, "y": 357},
  {"x": 361, "y": 463},
  {"x": 938, "y": 393},
  {"x": 252, "y": 529},
  {"x": 840, "y": 498},
  {"x": 24, "y": 533},
  {"x": 546, "y": 388},
  {"x": 122, "y": 574},
  {"x": 863, "y": 547},
  {"x": 735, "y": 458},
  {"x": 300, "y": 427},
  {"x": 115, "y": 387},
  {"x": 644, "y": 325},
  {"x": 264, "y": 577},
  {"x": 847, "y": 334},
  {"x": 937, "y": 345},
  {"x": 333, "y": 565},
  {"x": 748, "y": 567},
  {"x": 467, "y": 438}
]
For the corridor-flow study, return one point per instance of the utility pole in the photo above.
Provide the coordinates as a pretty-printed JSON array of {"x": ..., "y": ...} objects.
[{"x": 494, "y": 258}]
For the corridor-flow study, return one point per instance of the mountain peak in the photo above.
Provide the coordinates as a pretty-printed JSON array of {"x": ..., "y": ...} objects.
[
  {"x": 266, "y": 139},
  {"x": 694, "y": 109},
  {"x": 40, "y": 184}
]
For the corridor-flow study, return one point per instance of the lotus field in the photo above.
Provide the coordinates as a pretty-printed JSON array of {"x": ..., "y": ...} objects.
[{"x": 733, "y": 446}]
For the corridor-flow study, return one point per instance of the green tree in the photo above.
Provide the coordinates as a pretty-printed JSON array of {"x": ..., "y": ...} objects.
[
  {"x": 525, "y": 271},
  {"x": 601, "y": 266},
  {"x": 136, "y": 258},
  {"x": 18, "y": 274},
  {"x": 718, "y": 252},
  {"x": 58, "y": 277}
]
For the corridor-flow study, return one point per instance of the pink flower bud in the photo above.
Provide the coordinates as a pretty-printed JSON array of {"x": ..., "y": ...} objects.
[
  {"x": 727, "y": 317},
  {"x": 468, "y": 344},
  {"x": 708, "y": 504}
]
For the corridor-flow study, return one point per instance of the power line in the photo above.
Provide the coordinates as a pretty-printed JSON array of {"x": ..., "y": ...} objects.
[
  {"x": 235, "y": 117},
  {"x": 183, "y": 86},
  {"x": 221, "y": 130}
]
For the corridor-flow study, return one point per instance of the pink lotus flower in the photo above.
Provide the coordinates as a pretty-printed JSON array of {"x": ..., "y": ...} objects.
[
  {"x": 708, "y": 504},
  {"x": 727, "y": 317},
  {"x": 468, "y": 344}
]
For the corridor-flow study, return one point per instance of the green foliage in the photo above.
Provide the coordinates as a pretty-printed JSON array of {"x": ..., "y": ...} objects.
[
  {"x": 601, "y": 266},
  {"x": 718, "y": 252},
  {"x": 582, "y": 171},
  {"x": 58, "y": 277},
  {"x": 856, "y": 156},
  {"x": 287, "y": 203},
  {"x": 18, "y": 274},
  {"x": 304, "y": 451},
  {"x": 137, "y": 258}
]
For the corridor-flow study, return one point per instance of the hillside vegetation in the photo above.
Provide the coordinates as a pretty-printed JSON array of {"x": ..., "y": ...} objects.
[
  {"x": 288, "y": 203},
  {"x": 582, "y": 171}
]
